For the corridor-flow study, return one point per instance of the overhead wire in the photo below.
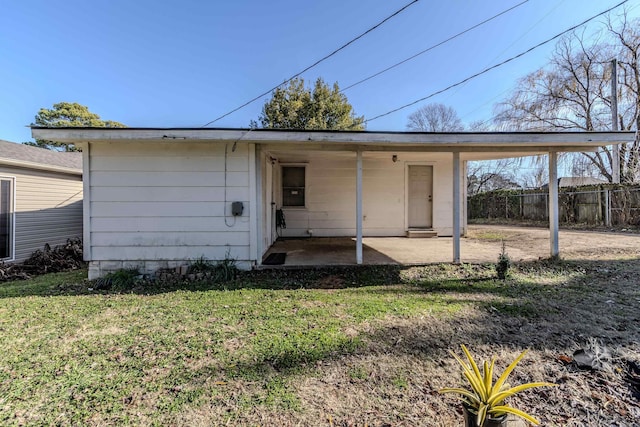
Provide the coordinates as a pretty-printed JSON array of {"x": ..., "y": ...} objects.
[
  {"x": 433, "y": 46},
  {"x": 486, "y": 70},
  {"x": 486, "y": 121},
  {"x": 397, "y": 12},
  {"x": 513, "y": 42}
]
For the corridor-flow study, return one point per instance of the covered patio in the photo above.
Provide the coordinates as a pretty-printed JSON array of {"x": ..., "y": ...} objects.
[
  {"x": 483, "y": 244},
  {"x": 356, "y": 240}
]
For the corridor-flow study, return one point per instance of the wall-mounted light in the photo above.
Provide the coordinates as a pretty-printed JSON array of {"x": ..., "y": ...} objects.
[{"x": 394, "y": 158}]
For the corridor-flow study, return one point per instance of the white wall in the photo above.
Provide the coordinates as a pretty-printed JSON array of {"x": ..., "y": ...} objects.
[
  {"x": 331, "y": 192},
  {"x": 163, "y": 204}
]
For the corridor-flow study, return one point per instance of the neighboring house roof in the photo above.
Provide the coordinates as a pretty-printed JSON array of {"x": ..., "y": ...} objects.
[
  {"x": 576, "y": 181},
  {"x": 21, "y": 155}
]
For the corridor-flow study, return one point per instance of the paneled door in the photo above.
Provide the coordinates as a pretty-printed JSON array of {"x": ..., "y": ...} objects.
[{"x": 420, "y": 196}]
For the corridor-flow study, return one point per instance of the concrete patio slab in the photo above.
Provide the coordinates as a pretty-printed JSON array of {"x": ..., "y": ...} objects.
[{"x": 482, "y": 245}]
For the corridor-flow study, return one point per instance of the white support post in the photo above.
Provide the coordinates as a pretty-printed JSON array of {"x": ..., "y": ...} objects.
[
  {"x": 359, "y": 207},
  {"x": 253, "y": 206},
  {"x": 456, "y": 207},
  {"x": 553, "y": 203},
  {"x": 258, "y": 211},
  {"x": 465, "y": 197},
  {"x": 86, "y": 201}
]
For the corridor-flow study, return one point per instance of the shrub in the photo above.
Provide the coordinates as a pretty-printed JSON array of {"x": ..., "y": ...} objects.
[
  {"x": 120, "y": 280},
  {"x": 503, "y": 264},
  {"x": 201, "y": 265}
]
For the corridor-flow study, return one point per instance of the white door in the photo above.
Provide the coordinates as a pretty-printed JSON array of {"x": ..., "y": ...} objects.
[{"x": 420, "y": 195}]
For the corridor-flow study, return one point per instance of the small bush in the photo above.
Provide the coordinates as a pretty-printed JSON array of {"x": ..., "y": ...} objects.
[
  {"x": 223, "y": 270},
  {"x": 503, "y": 264},
  {"x": 201, "y": 265},
  {"x": 120, "y": 280},
  {"x": 226, "y": 269}
]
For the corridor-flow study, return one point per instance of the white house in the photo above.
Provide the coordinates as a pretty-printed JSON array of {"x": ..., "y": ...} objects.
[
  {"x": 154, "y": 198},
  {"x": 40, "y": 199}
]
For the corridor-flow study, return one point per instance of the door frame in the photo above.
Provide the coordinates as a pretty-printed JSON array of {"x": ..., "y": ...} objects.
[
  {"x": 12, "y": 217},
  {"x": 268, "y": 201},
  {"x": 406, "y": 190},
  {"x": 269, "y": 204}
]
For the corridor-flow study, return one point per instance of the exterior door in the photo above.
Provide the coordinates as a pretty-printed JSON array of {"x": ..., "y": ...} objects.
[{"x": 420, "y": 196}]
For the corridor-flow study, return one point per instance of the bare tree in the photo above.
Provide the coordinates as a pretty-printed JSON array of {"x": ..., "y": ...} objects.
[
  {"x": 535, "y": 177},
  {"x": 480, "y": 126},
  {"x": 483, "y": 175},
  {"x": 627, "y": 35},
  {"x": 572, "y": 93},
  {"x": 435, "y": 118},
  {"x": 488, "y": 175}
]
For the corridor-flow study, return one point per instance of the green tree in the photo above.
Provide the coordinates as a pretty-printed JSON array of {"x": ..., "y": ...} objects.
[
  {"x": 296, "y": 107},
  {"x": 68, "y": 114}
]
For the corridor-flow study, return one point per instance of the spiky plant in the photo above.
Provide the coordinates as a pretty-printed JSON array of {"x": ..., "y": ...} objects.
[{"x": 486, "y": 397}]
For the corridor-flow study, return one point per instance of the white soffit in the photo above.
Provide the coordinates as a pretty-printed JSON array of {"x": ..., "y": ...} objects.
[{"x": 477, "y": 142}]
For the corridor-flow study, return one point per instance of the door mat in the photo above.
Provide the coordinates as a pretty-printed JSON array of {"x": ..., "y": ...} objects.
[{"x": 276, "y": 258}]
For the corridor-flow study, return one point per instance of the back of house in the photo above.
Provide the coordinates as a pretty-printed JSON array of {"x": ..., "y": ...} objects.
[{"x": 158, "y": 198}]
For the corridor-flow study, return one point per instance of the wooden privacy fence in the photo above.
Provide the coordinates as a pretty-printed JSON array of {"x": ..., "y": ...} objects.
[{"x": 608, "y": 205}]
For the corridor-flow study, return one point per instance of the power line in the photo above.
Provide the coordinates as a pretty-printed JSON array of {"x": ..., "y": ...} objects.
[
  {"x": 486, "y": 70},
  {"x": 433, "y": 47},
  {"x": 557, "y": 5},
  {"x": 315, "y": 63},
  {"x": 528, "y": 31}
]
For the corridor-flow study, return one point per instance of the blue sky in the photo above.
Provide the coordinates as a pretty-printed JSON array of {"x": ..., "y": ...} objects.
[{"x": 183, "y": 63}]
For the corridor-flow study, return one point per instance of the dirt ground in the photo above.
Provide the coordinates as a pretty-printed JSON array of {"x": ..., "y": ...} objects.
[{"x": 529, "y": 243}]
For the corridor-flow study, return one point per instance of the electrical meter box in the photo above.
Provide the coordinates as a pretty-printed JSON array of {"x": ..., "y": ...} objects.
[{"x": 237, "y": 208}]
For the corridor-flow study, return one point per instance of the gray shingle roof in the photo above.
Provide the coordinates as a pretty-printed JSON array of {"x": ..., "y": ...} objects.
[
  {"x": 15, "y": 152},
  {"x": 576, "y": 181}
]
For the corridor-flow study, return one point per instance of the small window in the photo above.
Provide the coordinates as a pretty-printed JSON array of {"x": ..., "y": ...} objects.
[
  {"x": 6, "y": 218},
  {"x": 293, "y": 185}
]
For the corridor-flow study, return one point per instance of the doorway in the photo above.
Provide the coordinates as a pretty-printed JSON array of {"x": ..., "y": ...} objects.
[{"x": 420, "y": 196}]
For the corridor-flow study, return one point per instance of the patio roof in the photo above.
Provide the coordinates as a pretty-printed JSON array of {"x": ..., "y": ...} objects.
[{"x": 525, "y": 142}]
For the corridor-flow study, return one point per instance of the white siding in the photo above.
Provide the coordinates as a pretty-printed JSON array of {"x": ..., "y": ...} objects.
[
  {"x": 331, "y": 194},
  {"x": 167, "y": 201},
  {"x": 48, "y": 207}
]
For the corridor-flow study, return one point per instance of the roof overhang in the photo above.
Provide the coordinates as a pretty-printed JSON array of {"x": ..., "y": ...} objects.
[{"x": 525, "y": 143}]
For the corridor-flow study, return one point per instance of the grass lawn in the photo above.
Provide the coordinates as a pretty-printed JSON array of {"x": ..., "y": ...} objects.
[{"x": 334, "y": 347}]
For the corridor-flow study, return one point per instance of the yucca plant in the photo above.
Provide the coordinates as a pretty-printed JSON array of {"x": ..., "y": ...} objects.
[{"x": 486, "y": 398}]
